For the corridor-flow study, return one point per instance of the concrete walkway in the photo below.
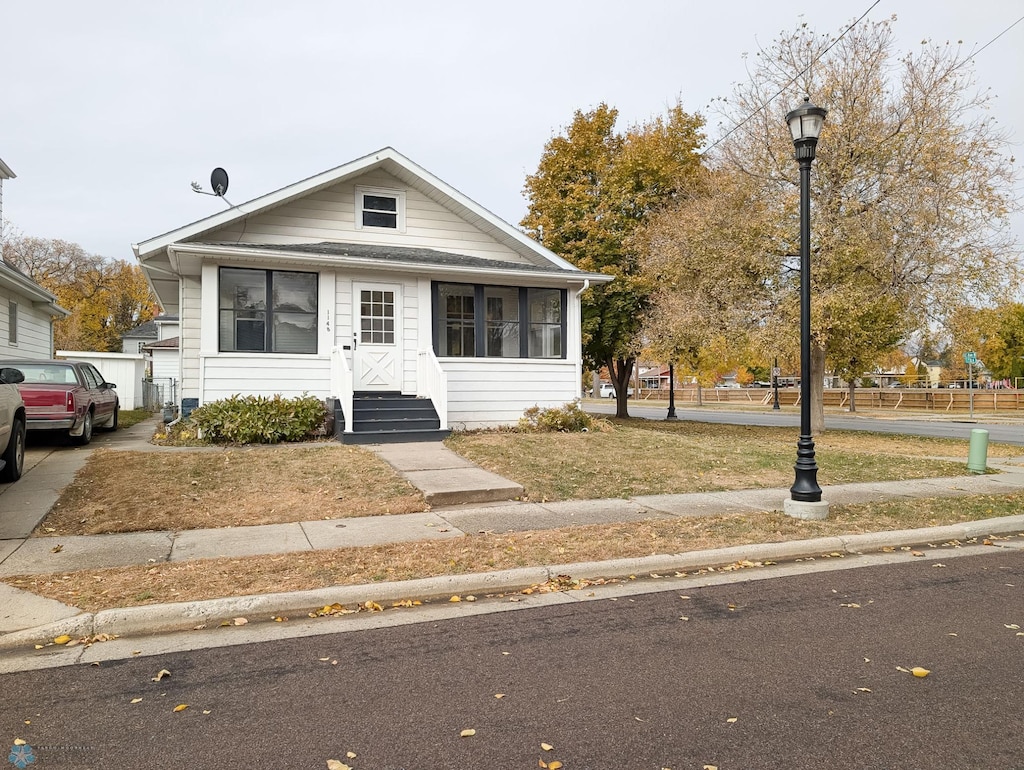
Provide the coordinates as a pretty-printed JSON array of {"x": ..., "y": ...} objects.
[{"x": 433, "y": 468}]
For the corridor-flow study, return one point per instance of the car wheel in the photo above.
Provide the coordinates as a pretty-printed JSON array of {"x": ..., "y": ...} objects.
[
  {"x": 86, "y": 436},
  {"x": 14, "y": 456}
]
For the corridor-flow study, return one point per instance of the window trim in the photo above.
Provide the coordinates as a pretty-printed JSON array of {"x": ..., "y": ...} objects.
[
  {"x": 361, "y": 191},
  {"x": 268, "y": 313},
  {"x": 480, "y": 321},
  {"x": 12, "y": 322}
]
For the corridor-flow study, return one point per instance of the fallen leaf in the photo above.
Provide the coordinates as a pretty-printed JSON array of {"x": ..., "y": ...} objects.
[
  {"x": 136, "y": 700},
  {"x": 919, "y": 672},
  {"x": 916, "y": 553},
  {"x": 938, "y": 564},
  {"x": 1011, "y": 626},
  {"x": 554, "y": 765},
  {"x": 334, "y": 764},
  {"x": 730, "y": 720},
  {"x": 19, "y": 742},
  {"x": 180, "y": 707},
  {"x": 467, "y": 733},
  {"x": 206, "y": 712},
  {"x": 904, "y": 670},
  {"x": 279, "y": 619},
  {"x": 39, "y": 646},
  {"x": 372, "y": 607},
  {"x": 683, "y": 617},
  {"x": 499, "y": 695},
  {"x": 546, "y": 746},
  {"x": 161, "y": 674},
  {"x": 986, "y": 542},
  {"x": 57, "y": 548},
  {"x": 863, "y": 689},
  {"x": 350, "y": 755},
  {"x": 240, "y": 621},
  {"x": 470, "y": 598},
  {"x": 710, "y": 767},
  {"x": 324, "y": 659},
  {"x": 459, "y": 598},
  {"x": 62, "y": 639},
  {"x": 852, "y": 605}
]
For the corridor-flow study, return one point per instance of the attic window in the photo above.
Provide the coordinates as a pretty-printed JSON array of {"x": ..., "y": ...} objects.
[{"x": 380, "y": 209}]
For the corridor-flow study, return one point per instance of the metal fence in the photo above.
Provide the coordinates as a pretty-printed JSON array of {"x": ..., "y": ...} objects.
[{"x": 159, "y": 391}]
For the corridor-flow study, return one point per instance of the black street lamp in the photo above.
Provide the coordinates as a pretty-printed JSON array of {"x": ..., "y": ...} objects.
[
  {"x": 671, "y": 393},
  {"x": 805, "y": 501},
  {"x": 775, "y": 383}
]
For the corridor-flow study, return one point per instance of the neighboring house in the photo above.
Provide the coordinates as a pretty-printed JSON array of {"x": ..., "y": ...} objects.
[
  {"x": 27, "y": 310},
  {"x": 158, "y": 341},
  {"x": 27, "y": 313},
  {"x": 165, "y": 368},
  {"x": 160, "y": 328},
  {"x": 375, "y": 277}
]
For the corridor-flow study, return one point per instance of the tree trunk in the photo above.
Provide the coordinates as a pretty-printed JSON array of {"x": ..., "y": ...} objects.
[
  {"x": 853, "y": 394},
  {"x": 817, "y": 389},
  {"x": 620, "y": 370}
]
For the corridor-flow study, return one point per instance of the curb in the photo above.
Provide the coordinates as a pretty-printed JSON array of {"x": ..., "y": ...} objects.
[{"x": 183, "y": 616}]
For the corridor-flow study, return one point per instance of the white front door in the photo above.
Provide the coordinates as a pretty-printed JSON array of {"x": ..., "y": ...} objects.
[{"x": 377, "y": 356}]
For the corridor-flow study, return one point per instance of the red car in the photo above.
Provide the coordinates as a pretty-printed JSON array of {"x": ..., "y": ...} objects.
[{"x": 67, "y": 396}]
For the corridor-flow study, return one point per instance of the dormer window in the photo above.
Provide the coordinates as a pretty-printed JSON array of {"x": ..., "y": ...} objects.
[{"x": 380, "y": 209}]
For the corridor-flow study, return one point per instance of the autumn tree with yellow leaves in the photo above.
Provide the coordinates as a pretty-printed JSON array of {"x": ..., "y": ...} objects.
[
  {"x": 911, "y": 191},
  {"x": 593, "y": 188},
  {"x": 106, "y": 297}
]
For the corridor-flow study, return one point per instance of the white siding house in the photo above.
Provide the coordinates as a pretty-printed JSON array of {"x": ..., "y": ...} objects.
[
  {"x": 27, "y": 310},
  {"x": 374, "y": 277}
]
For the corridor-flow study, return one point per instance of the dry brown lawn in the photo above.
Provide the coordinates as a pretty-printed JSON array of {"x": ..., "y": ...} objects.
[
  {"x": 643, "y": 457},
  {"x": 189, "y": 488},
  {"x": 94, "y": 590},
  {"x": 193, "y": 489}
]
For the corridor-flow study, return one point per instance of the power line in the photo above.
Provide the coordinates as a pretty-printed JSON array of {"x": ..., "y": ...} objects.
[{"x": 790, "y": 82}]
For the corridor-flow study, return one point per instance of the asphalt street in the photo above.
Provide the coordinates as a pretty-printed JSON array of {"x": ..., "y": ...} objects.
[
  {"x": 1009, "y": 432},
  {"x": 800, "y": 672}
]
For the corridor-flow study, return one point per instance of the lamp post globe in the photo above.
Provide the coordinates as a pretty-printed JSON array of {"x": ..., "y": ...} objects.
[{"x": 805, "y": 123}]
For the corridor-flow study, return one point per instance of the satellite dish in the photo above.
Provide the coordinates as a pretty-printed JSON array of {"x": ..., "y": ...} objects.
[{"x": 219, "y": 181}]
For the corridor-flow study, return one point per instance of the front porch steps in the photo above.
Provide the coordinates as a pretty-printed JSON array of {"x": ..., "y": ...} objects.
[{"x": 389, "y": 418}]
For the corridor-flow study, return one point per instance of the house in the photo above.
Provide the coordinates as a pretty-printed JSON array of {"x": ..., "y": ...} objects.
[
  {"x": 160, "y": 328},
  {"x": 157, "y": 340},
  {"x": 27, "y": 310},
  {"x": 376, "y": 287}
]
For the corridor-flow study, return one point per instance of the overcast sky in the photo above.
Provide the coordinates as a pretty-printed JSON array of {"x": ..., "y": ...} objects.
[{"x": 108, "y": 110}]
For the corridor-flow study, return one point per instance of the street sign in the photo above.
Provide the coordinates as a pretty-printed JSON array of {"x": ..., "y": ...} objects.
[
  {"x": 970, "y": 357},
  {"x": 776, "y": 371}
]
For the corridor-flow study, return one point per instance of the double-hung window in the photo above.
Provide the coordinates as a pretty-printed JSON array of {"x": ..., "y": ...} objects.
[
  {"x": 471, "y": 320},
  {"x": 267, "y": 311},
  {"x": 379, "y": 208}
]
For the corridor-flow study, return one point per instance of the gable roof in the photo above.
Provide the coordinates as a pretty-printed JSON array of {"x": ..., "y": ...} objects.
[
  {"x": 394, "y": 163},
  {"x": 5, "y": 171},
  {"x": 13, "y": 279},
  {"x": 148, "y": 329}
]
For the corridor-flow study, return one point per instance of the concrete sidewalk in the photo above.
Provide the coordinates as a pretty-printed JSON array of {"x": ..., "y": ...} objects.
[{"x": 27, "y": 618}]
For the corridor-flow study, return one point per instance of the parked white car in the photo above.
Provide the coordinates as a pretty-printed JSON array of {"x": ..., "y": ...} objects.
[
  {"x": 12, "y": 425},
  {"x": 608, "y": 391}
]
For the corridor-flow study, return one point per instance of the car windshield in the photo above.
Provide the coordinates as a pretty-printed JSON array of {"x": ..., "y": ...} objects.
[{"x": 44, "y": 374}]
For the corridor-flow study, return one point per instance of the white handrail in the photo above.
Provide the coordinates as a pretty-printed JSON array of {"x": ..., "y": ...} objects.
[
  {"x": 432, "y": 383},
  {"x": 342, "y": 384}
]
